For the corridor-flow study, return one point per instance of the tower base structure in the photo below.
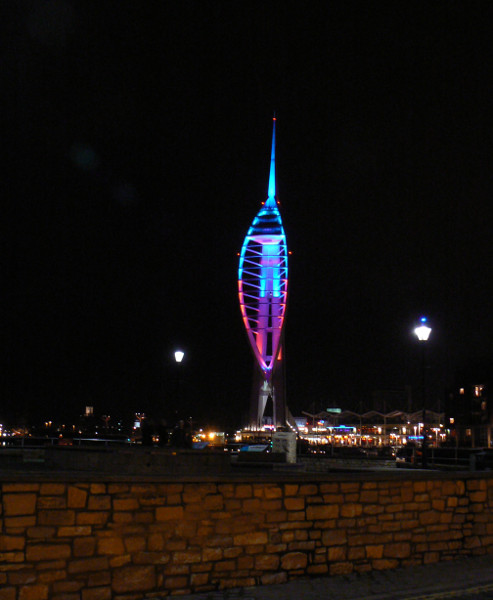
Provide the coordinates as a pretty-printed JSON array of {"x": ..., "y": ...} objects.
[{"x": 266, "y": 394}]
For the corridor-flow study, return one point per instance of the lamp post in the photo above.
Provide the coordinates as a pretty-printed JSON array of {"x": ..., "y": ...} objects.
[
  {"x": 423, "y": 333},
  {"x": 179, "y": 356}
]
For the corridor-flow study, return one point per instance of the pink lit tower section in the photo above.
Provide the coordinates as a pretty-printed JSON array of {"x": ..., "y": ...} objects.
[{"x": 263, "y": 293}]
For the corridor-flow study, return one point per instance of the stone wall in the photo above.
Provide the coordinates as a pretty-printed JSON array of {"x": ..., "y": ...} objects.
[{"x": 107, "y": 539}]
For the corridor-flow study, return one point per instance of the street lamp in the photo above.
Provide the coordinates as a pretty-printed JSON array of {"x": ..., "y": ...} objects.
[
  {"x": 179, "y": 356},
  {"x": 423, "y": 333}
]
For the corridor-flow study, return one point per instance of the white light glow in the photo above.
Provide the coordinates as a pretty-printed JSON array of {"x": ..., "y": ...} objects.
[
  {"x": 179, "y": 354},
  {"x": 423, "y": 333}
]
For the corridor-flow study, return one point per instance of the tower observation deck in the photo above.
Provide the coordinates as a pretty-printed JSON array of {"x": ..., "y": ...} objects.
[{"x": 263, "y": 293}]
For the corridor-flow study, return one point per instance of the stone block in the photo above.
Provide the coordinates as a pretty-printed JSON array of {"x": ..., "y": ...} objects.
[
  {"x": 401, "y": 550},
  {"x": 333, "y": 499},
  {"x": 294, "y": 560},
  {"x": 429, "y": 517},
  {"x": 73, "y": 531},
  {"x": 11, "y": 557},
  {"x": 356, "y": 553},
  {"x": 336, "y": 554},
  {"x": 76, "y": 497},
  {"x": 155, "y": 542},
  {"x": 8, "y": 593},
  {"x": 47, "y": 552},
  {"x": 267, "y": 562},
  {"x": 351, "y": 510},
  {"x": 290, "y": 489},
  {"x": 99, "y": 578},
  {"x": 176, "y": 570},
  {"x": 316, "y": 512},
  {"x": 61, "y": 587},
  {"x": 213, "y": 554},
  {"x": 135, "y": 543},
  {"x": 56, "y": 517},
  {"x": 384, "y": 564},
  {"x": 294, "y": 503},
  {"x": 84, "y": 546},
  {"x": 350, "y": 486},
  {"x": 169, "y": 513},
  {"x": 176, "y": 583},
  {"x": 92, "y": 518},
  {"x": 246, "y": 505},
  {"x": 99, "y": 502},
  {"x": 51, "y": 502},
  {"x": 123, "y": 517},
  {"x": 151, "y": 558},
  {"x": 368, "y": 496},
  {"x": 51, "y": 576},
  {"x": 125, "y": 504},
  {"x": 86, "y": 565},
  {"x": 224, "y": 565},
  {"x": 111, "y": 546},
  {"x": 20, "y": 487},
  {"x": 272, "y": 491},
  {"x": 188, "y": 557},
  {"x": 199, "y": 579},
  {"x": 438, "y": 504},
  {"x": 118, "y": 488},
  {"x": 41, "y": 532},
  {"x": 478, "y": 496},
  {"x": 334, "y": 537},
  {"x": 329, "y": 488},
  {"x": 12, "y": 542},
  {"x": 274, "y": 578},
  {"x": 308, "y": 489},
  {"x": 276, "y": 516},
  {"x": 134, "y": 579},
  {"x": 250, "y": 539},
  {"x": 19, "y": 504},
  {"x": 213, "y": 502},
  {"x": 98, "y": 488},
  {"x": 52, "y": 489},
  {"x": 97, "y": 593},
  {"x": 320, "y": 569},
  {"x": 23, "y": 577},
  {"x": 374, "y": 551},
  {"x": 119, "y": 561},
  {"x": 341, "y": 568},
  {"x": 34, "y": 592}
]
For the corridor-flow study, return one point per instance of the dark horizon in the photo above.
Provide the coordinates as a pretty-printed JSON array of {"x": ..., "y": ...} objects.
[{"x": 139, "y": 149}]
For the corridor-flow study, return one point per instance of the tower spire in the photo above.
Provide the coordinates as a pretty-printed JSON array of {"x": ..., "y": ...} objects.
[{"x": 271, "y": 193}]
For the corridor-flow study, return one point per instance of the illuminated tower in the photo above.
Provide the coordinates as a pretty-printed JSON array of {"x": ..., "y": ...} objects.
[{"x": 263, "y": 291}]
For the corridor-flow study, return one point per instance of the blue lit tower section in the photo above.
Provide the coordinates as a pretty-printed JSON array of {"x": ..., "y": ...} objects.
[{"x": 263, "y": 291}]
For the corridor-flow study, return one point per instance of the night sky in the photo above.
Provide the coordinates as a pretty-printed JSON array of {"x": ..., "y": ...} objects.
[{"x": 138, "y": 142}]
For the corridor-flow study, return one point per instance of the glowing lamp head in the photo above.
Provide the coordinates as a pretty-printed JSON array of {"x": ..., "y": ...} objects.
[
  {"x": 423, "y": 331},
  {"x": 179, "y": 354}
]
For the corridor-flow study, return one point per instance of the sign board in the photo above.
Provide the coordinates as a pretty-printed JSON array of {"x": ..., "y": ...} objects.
[{"x": 285, "y": 442}]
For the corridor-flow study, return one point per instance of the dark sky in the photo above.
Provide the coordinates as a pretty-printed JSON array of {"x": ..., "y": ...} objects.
[{"x": 139, "y": 139}]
